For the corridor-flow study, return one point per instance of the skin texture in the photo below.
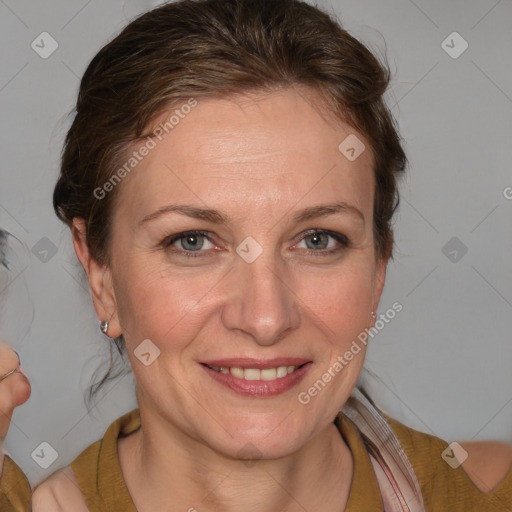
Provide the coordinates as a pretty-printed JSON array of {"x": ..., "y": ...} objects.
[
  {"x": 260, "y": 159},
  {"x": 255, "y": 159}
]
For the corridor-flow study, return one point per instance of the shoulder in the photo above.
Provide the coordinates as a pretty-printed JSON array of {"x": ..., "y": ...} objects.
[
  {"x": 59, "y": 492},
  {"x": 487, "y": 463},
  {"x": 475, "y": 466},
  {"x": 62, "y": 491}
]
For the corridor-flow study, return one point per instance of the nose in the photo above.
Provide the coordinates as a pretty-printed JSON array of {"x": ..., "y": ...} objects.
[{"x": 263, "y": 304}]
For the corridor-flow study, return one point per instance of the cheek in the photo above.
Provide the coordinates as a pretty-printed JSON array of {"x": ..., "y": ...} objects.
[
  {"x": 144, "y": 301},
  {"x": 157, "y": 304},
  {"x": 341, "y": 298}
]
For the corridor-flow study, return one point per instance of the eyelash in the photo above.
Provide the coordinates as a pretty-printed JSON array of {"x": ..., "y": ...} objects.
[{"x": 340, "y": 238}]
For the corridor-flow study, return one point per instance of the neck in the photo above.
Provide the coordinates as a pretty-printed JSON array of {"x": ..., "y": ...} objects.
[{"x": 167, "y": 470}]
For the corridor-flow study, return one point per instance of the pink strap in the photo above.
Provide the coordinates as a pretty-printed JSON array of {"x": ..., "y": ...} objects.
[{"x": 398, "y": 484}]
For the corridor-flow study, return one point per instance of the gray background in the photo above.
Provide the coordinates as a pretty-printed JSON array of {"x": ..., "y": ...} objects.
[{"x": 443, "y": 365}]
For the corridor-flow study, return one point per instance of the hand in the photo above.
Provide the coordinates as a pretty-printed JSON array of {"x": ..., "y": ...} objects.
[{"x": 14, "y": 391}]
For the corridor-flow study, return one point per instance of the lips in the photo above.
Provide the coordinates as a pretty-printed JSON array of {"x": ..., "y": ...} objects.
[{"x": 258, "y": 377}]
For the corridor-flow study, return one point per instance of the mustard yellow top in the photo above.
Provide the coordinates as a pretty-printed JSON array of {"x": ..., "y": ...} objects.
[
  {"x": 444, "y": 488},
  {"x": 15, "y": 489}
]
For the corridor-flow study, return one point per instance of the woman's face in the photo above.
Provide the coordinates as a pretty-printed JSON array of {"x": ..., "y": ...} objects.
[{"x": 257, "y": 289}]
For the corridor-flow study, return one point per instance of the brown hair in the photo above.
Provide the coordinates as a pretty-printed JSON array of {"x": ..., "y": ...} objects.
[{"x": 214, "y": 48}]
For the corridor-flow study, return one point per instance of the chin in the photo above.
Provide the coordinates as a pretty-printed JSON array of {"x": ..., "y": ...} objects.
[{"x": 264, "y": 441}]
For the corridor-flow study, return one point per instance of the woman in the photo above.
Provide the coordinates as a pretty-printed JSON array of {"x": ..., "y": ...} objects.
[{"x": 230, "y": 180}]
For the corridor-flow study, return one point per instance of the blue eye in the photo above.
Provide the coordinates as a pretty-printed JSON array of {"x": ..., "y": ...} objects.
[
  {"x": 318, "y": 242},
  {"x": 190, "y": 241}
]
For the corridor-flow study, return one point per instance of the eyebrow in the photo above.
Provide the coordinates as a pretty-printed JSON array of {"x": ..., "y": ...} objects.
[{"x": 216, "y": 217}]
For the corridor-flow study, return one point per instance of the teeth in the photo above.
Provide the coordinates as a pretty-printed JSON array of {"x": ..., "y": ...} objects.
[
  {"x": 250, "y": 374},
  {"x": 237, "y": 372},
  {"x": 268, "y": 374},
  {"x": 282, "y": 371},
  {"x": 257, "y": 374}
]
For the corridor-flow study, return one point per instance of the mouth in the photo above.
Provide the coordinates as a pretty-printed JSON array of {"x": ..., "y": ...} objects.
[
  {"x": 251, "y": 377},
  {"x": 265, "y": 374}
]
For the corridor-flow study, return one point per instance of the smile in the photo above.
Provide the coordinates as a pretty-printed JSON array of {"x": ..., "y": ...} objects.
[
  {"x": 255, "y": 373},
  {"x": 270, "y": 379}
]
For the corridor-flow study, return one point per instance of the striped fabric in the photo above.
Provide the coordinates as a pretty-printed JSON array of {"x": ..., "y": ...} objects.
[{"x": 399, "y": 487}]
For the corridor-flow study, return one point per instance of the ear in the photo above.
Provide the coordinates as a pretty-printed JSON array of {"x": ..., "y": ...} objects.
[
  {"x": 379, "y": 281},
  {"x": 100, "y": 280}
]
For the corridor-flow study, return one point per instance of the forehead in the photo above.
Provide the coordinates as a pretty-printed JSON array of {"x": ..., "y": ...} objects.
[{"x": 278, "y": 146}]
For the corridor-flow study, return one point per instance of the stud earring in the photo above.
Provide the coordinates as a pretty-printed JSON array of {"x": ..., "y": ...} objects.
[{"x": 104, "y": 327}]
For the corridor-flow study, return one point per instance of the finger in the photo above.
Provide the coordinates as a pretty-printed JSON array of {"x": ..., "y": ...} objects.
[
  {"x": 14, "y": 389},
  {"x": 9, "y": 358}
]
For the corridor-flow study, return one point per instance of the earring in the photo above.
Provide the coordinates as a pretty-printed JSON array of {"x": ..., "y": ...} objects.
[
  {"x": 373, "y": 315},
  {"x": 104, "y": 327}
]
